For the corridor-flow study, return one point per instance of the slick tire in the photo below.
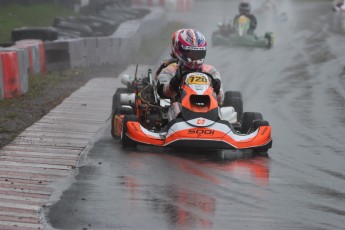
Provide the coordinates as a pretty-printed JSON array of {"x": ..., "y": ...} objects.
[
  {"x": 116, "y": 105},
  {"x": 125, "y": 140},
  {"x": 41, "y": 33},
  {"x": 112, "y": 131},
  {"x": 123, "y": 90},
  {"x": 119, "y": 111},
  {"x": 248, "y": 119},
  {"x": 258, "y": 123},
  {"x": 270, "y": 39},
  {"x": 262, "y": 151},
  {"x": 234, "y": 99}
]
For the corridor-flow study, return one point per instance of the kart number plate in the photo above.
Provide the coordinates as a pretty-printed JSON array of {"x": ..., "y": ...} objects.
[
  {"x": 196, "y": 79},
  {"x": 243, "y": 20}
]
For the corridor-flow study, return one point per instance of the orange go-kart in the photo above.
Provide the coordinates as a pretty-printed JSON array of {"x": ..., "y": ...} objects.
[{"x": 195, "y": 120}]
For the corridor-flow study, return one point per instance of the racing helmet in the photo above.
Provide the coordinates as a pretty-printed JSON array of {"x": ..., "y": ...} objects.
[
  {"x": 173, "y": 39},
  {"x": 190, "y": 48},
  {"x": 244, "y": 8}
]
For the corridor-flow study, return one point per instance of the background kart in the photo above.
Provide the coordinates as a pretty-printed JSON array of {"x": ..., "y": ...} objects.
[
  {"x": 339, "y": 7},
  {"x": 238, "y": 35},
  {"x": 195, "y": 121}
]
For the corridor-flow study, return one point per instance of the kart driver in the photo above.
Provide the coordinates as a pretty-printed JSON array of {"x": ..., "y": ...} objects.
[
  {"x": 189, "y": 48},
  {"x": 338, "y": 5},
  {"x": 244, "y": 9}
]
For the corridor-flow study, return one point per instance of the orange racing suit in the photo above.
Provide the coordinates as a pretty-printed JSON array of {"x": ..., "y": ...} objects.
[{"x": 170, "y": 71}]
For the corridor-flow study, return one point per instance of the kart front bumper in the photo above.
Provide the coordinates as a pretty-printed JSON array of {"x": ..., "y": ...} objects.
[{"x": 217, "y": 136}]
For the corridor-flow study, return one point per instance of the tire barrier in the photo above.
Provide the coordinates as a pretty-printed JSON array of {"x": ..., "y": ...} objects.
[
  {"x": 173, "y": 5},
  {"x": 36, "y": 49},
  {"x": 117, "y": 49},
  {"x": 40, "y": 33},
  {"x": 10, "y": 74}
]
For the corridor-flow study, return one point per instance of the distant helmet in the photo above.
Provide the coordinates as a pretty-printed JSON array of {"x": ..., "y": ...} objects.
[
  {"x": 190, "y": 48},
  {"x": 244, "y": 8}
]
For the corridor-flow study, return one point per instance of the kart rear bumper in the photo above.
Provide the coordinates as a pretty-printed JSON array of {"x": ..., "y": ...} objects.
[{"x": 235, "y": 40}]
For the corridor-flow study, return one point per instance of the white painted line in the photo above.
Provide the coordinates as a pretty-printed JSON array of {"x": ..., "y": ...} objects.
[
  {"x": 21, "y": 206},
  {"x": 47, "y": 166},
  {"x": 20, "y": 225}
]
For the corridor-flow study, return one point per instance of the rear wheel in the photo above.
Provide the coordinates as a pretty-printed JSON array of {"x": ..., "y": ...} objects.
[
  {"x": 113, "y": 126},
  {"x": 119, "y": 110},
  {"x": 117, "y": 97},
  {"x": 234, "y": 99},
  {"x": 116, "y": 105},
  {"x": 123, "y": 90},
  {"x": 248, "y": 119},
  {"x": 270, "y": 39},
  {"x": 126, "y": 141}
]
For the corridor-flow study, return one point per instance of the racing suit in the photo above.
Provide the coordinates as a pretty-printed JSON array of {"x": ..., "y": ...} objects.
[
  {"x": 253, "y": 22},
  {"x": 164, "y": 64},
  {"x": 165, "y": 90},
  {"x": 338, "y": 5}
]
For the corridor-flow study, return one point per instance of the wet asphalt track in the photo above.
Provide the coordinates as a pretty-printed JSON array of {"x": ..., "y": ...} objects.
[{"x": 298, "y": 86}]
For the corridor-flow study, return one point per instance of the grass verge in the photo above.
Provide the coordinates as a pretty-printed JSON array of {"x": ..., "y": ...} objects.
[{"x": 14, "y": 16}]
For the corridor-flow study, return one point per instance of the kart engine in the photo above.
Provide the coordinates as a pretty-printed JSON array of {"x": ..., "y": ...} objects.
[{"x": 150, "y": 114}]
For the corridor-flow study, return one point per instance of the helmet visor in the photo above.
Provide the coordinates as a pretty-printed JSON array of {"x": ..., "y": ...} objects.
[{"x": 195, "y": 54}]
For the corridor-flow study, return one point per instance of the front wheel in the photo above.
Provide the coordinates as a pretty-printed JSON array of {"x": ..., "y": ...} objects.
[
  {"x": 116, "y": 105},
  {"x": 126, "y": 141},
  {"x": 248, "y": 119},
  {"x": 270, "y": 39}
]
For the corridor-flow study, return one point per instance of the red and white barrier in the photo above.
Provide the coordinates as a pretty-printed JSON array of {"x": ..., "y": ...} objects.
[
  {"x": 149, "y": 2},
  {"x": 179, "y": 5},
  {"x": 1, "y": 82},
  {"x": 16, "y": 62},
  {"x": 173, "y": 5},
  {"x": 37, "y": 55},
  {"x": 10, "y": 74},
  {"x": 23, "y": 64}
]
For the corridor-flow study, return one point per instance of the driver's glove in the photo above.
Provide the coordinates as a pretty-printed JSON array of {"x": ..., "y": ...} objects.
[
  {"x": 216, "y": 85},
  {"x": 175, "y": 83}
]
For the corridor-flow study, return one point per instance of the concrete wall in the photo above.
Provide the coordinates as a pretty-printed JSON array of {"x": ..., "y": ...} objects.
[{"x": 117, "y": 49}]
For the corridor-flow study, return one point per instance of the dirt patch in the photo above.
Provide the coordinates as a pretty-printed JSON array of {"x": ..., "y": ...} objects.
[{"x": 45, "y": 93}]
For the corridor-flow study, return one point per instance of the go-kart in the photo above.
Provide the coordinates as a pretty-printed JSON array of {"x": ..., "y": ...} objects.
[
  {"x": 193, "y": 121},
  {"x": 238, "y": 35},
  {"x": 339, "y": 7}
]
